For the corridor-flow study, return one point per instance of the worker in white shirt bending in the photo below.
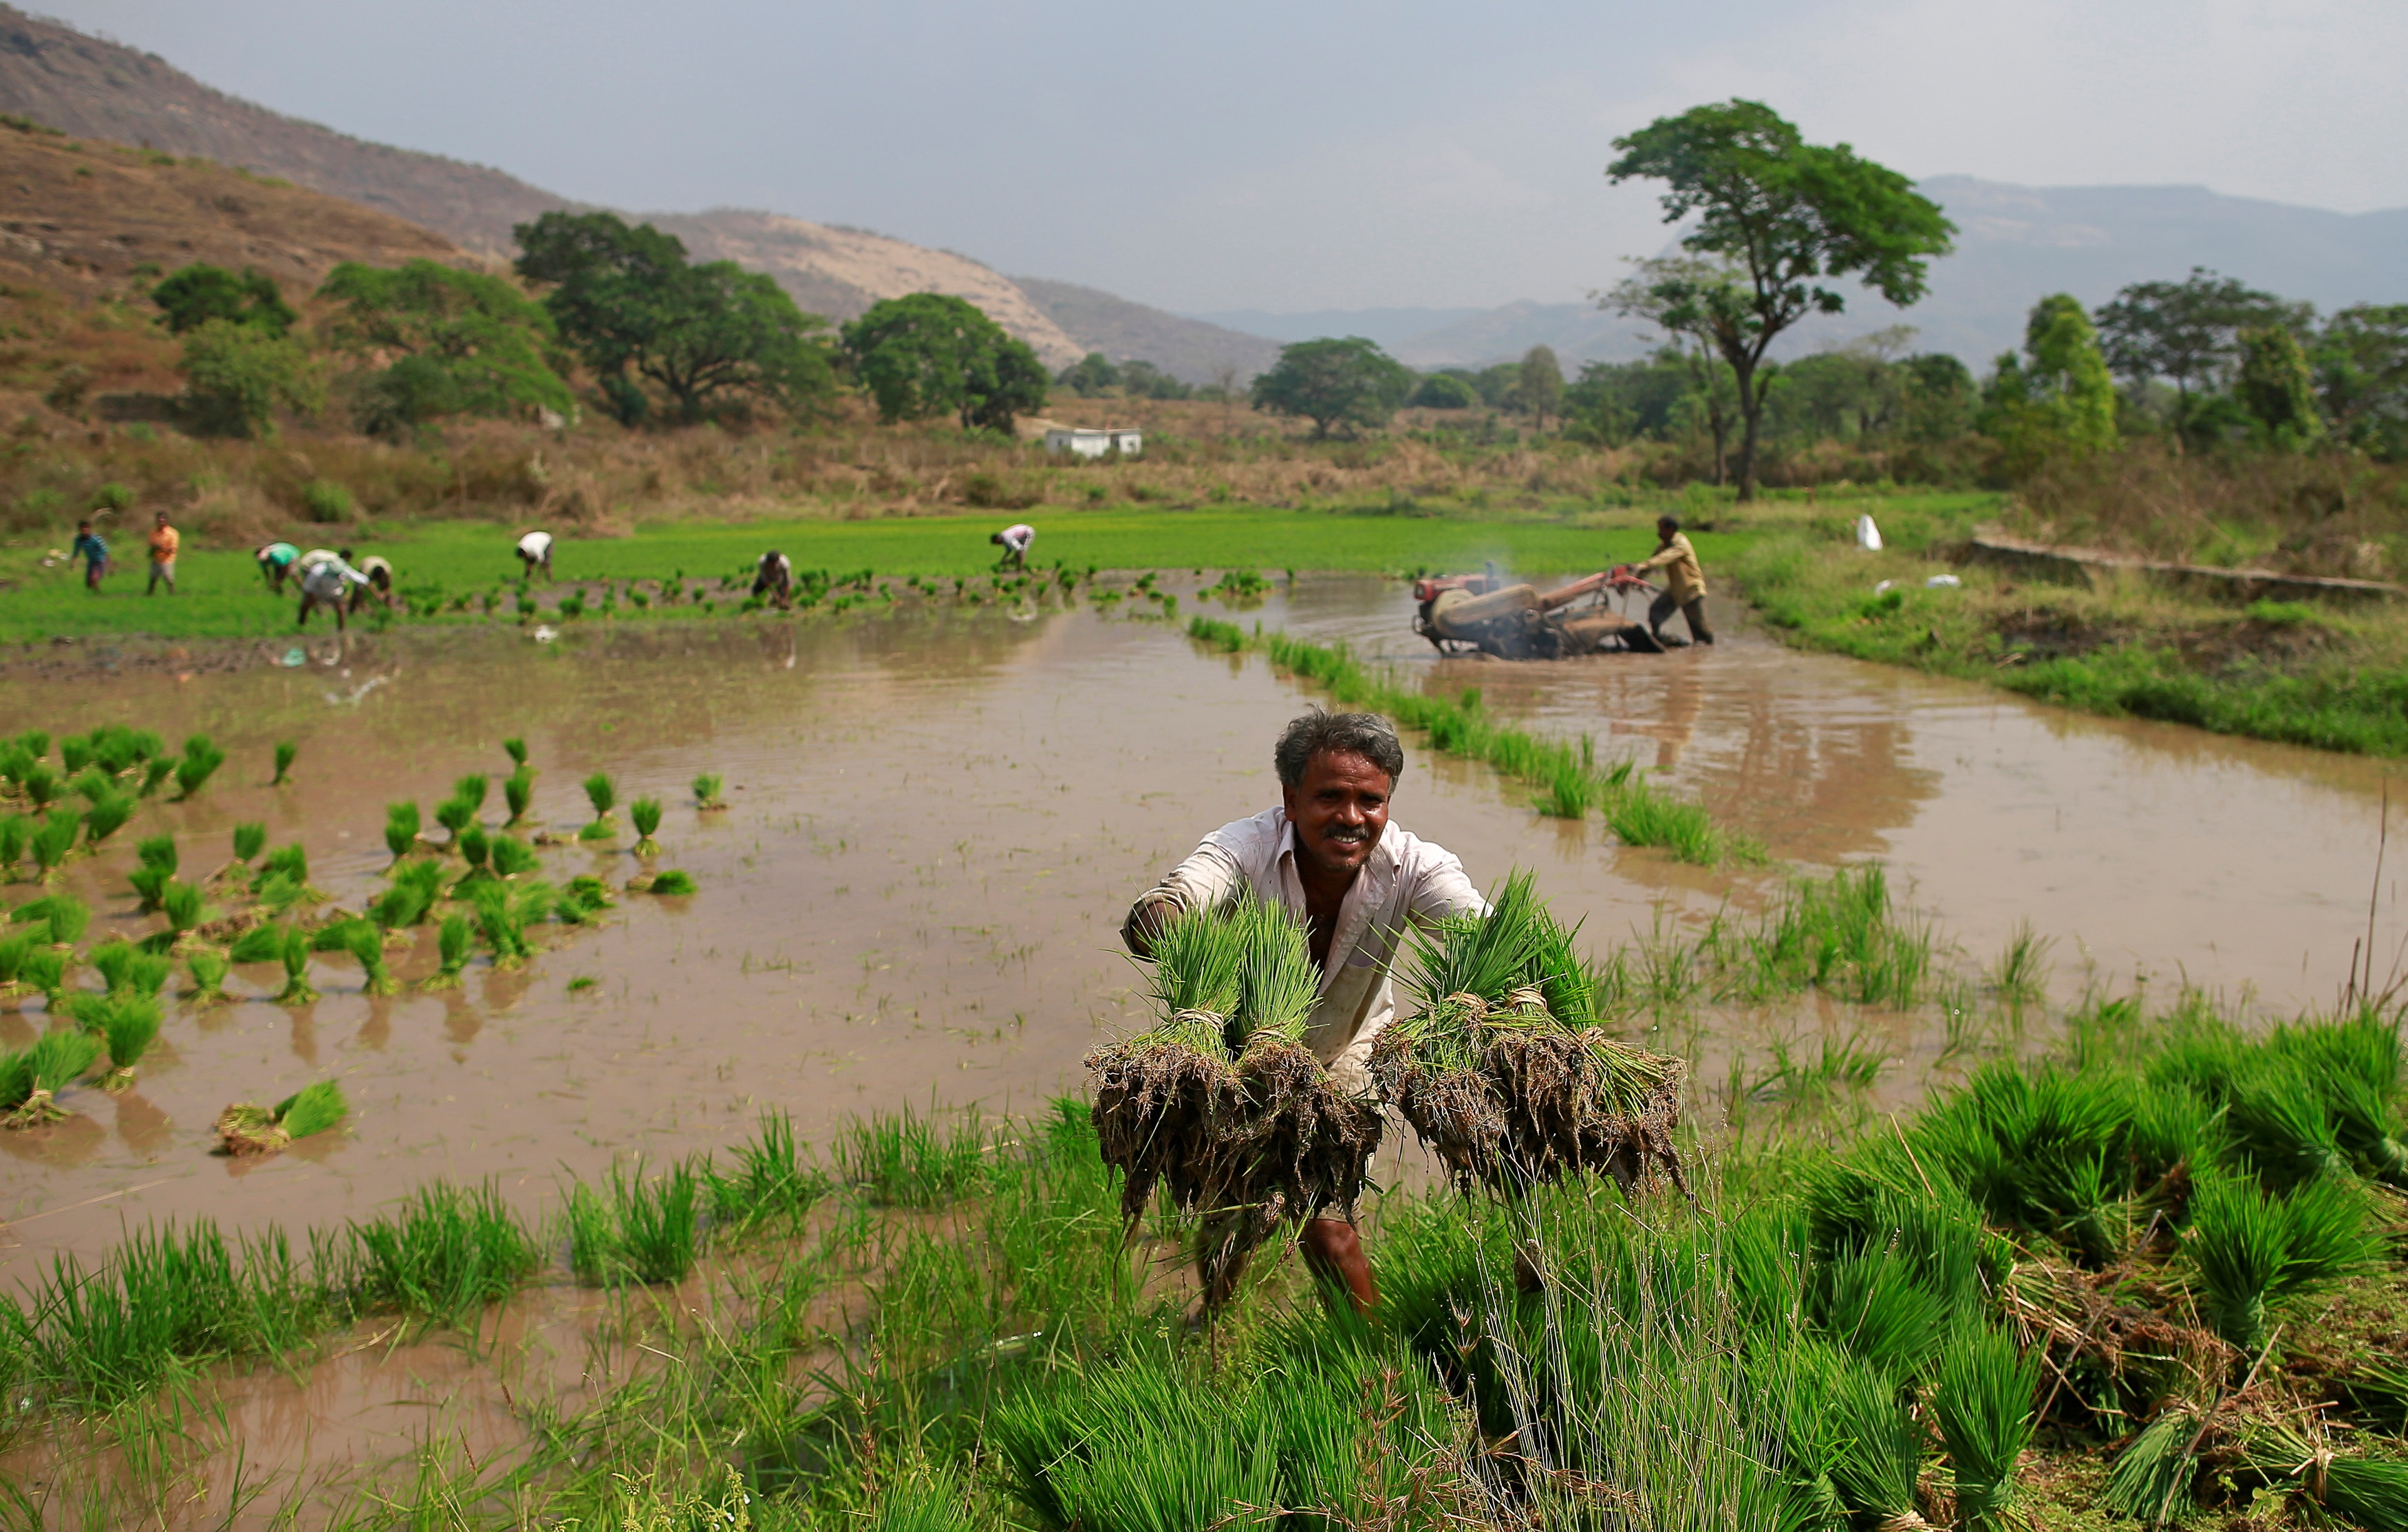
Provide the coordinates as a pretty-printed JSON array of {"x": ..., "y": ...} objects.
[
  {"x": 535, "y": 552},
  {"x": 323, "y": 583},
  {"x": 774, "y": 577},
  {"x": 1014, "y": 541},
  {"x": 1329, "y": 856}
]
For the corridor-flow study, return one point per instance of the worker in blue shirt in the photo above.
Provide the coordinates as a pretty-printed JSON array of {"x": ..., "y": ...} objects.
[{"x": 94, "y": 553}]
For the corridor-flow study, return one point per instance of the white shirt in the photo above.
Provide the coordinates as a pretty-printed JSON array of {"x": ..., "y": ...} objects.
[
  {"x": 535, "y": 545},
  {"x": 1406, "y": 882},
  {"x": 1017, "y": 539},
  {"x": 325, "y": 579},
  {"x": 780, "y": 565}
]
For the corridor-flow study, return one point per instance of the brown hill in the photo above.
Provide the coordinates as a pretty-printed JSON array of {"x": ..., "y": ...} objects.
[{"x": 1187, "y": 349}]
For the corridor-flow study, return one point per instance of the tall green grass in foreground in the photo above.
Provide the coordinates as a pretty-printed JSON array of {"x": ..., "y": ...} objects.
[{"x": 1638, "y": 813}]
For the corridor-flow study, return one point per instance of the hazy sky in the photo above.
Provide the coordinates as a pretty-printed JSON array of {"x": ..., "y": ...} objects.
[{"x": 1294, "y": 156}]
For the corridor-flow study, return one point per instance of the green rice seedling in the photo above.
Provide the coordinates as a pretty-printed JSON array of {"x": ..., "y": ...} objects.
[
  {"x": 45, "y": 968},
  {"x": 184, "y": 906},
  {"x": 930, "y": 1505},
  {"x": 642, "y": 1231},
  {"x": 1571, "y": 792},
  {"x": 41, "y": 787},
  {"x": 155, "y": 772},
  {"x": 455, "y": 814},
  {"x": 130, "y": 1026},
  {"x": 602, "y": 794},
  {"x": 1880, "y": 1459},
  {"x": 910, "y": 1161},
  {"x": 672, "y": 883},
  {"x": 146, "y": 975},
  {"x": 365, "y": 943},
  {"x": 31, "y": 1079},
  {"x": 200, "y": 762},
  {"x": 453, "y": 942},
  {"x": 2354, "y": 1065},
  {"x": 244, "y": 1129},
  {"x": 475, "y": 847},
  {"x": 209, "y": 971},
  {"x": 2283, "y": 1125},
  {"x": 1135, "y": 1445},
  {"x": 15, "y": 831},
  {"x": 90, "y": 1010},
  {"x": 471, "y": 788},
  {"x": 518, "y": 791},
  {"x": 401, "y": 905},
  {"x": 583, "y": 900},
  {"x": 52, "y": 839},
  {"x": 707, "y": 788},
  {"x": 74, "y": 753},
  {"x": 286, "y": 752},
  {"x": 2020, "y": 975},
  {"x": 260, "y": 944},
  {"x": 111, "y": 960},
  {"x": 502, "y": 922},
  {"x": 250, "y": 839},
  {"x": 512, "y": 858},
  {"x": 34, "y": 743},
  {"x": 645, "y": 814},
  {"x": 108, "y": 815},
  {"x": 773, "y": 1181},
  {"x": 1640, "y": 816},
  {"x": 517, "y": 751},
  {"x": 13, "y": 952},
  {"x": 2151, "y": 1480},
  {"x": 2250, "y": 1254},
  {"x": 295, "y": 954},
  {"x": 291, "y": 862},
  {"x": 445, "y": 1254},
  {"x": 277, "y": 893},
  {"x": 1984, "y": 1402},
  {"x": 335, "y": 935},
  {"x": 67, "y": 915},
  {"x": 1874, "y": 1305},
  {"x": 401, "y": 826}
]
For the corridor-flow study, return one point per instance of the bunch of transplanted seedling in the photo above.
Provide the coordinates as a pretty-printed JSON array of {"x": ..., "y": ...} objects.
[
  {"x": 1220, "y": 1104},
  {"x": 1502, "y": 1070},
  {"x": 477, "y": 884}
]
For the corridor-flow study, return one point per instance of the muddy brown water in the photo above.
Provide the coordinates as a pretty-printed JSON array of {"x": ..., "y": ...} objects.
[{"x": 940, "y": 817}]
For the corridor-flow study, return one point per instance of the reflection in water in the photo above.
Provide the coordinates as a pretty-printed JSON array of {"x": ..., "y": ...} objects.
[{"x": 938, "y": 817}]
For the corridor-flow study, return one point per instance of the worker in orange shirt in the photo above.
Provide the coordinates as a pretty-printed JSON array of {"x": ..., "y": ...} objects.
[{"x": 165, "y": 541}]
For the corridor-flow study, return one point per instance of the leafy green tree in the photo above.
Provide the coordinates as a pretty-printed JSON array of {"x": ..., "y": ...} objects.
[
  {"x": 634, "y": 307},
  {"x": 465, "y": 343},
  {"x": 1331, "y": 382},
  {"x": 2059, "y": 396},
  {"x": 237, "y": 376},
  {"x": 2361, "y": 365},
  {"x": 1939, "y": 394},
  {"x": 1445, "y": 391},
  {"x": 1091, "y": 375},
  {"x": 1615, "y": 402},
  {"x": 1540, "y": 383},
  {"x": 1791, "y": 215},
  {"x": 2277, "y": 387},
  {"x": 927, "y": 354},
  {"x": 200, "y": 293},
  {"x": 1683, "y": 296},
  {"x": 2185, "y": 332},
  {"x": 1144, "y": 380}
]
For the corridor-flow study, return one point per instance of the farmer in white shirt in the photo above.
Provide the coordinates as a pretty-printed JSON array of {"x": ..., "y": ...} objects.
[
  {"x": 1355, "y": 882},
  {"x": 322, "y": 584},
  {"x": 774, "y": 577},
  {"x": 1014, "y": 541},
  {"x": 535, "y": 552}
]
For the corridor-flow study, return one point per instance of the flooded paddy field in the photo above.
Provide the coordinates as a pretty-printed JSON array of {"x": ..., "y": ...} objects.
[{"x": 939, "y": 816}]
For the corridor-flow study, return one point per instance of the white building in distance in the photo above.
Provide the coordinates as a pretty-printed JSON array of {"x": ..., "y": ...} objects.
[{"x": 1094, "y": 441}]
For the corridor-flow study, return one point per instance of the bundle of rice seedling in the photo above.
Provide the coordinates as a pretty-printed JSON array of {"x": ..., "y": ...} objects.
[
  {"x": 246, "y": 1129},
  {"x": 15, "y": 830},
  {"x": 503, "y": 913},
  {"x": 45, "y": 968},
  {"x": 671, "y": 882},
  {"x": 1160, "y": 1093},
  {"x": 475, "y": 846},
  {"x": 1309, "y": 1144},
  {"x": 63, "y": 916},
  {"x": 706, "y": 792},
  {"x": 518, "y": 791},
  {"x": 145, "y": 974},
  {"x": 645, "y": 814},
  {"x": 155, "y": 862},
  {"x": 31, "y": 1079},
  {"x": 110, "y": 960},
  {"x": 455, "y": 814},
  {"x": 74, "y": 753},
  {"x": 285, "y": 751},
  {"x": 602, "y": 795},
  {"x": 513, "y": 858},
  {"x": 184, "y": 906},
  {"x": 200, "y": 762},
  {"x": 156, "y": 770},
  {"x": 40, "y": 785},
  {"x": 1498, "y": 1071},
  {"x": 517, "y": 751},
  {"x": 411, "y": 897},
  {"x": 260, "y": 944},
  {"x": 365, "y": 943},
  {"x": 453, "y": 942},
  {"x": 294, "y": 952},
  {"x": 131, "y": 1024},
  {"x": 52, "y": 839},
  {"x": 471, "y": 790},
  {"x": 289, "y": 862},
  {"x": 585, "y": 897},
  {"x": 13, "y": 952},
  {"x": 2250, "y": 1254},
  {"x": 209, "y": 971},
  {"x": 108, "y": 815},
  {"x": 2355, "y": 1064},
  {"x": 1985, "y": 1406},
  {"x": 250, "y": 839},
  {"x": 401, "y": 827}
]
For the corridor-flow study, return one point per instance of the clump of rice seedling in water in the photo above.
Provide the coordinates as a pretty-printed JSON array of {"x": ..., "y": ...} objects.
[
  {"x": 286, "y": 749},
  {"x": 13, "y": 953},
  {"x": 291, "y": 862},
  {"x": 401, "y": 826},
  {"x": 471, "y": 789},
  {"x": 1499, "y": 1070},
  {"x": 110, "y": 960},
  {"x": 645, "y": 814},
  {"x": 66, "y": 916},
  {"x": 295, "y": 954},
  {"x": 641, "y": 1232},
  {"x": 250, "y": 839},
  {"x": 585, "y": 897},
  {"x": 245, "y": 1129},
  {"x": 512, "y": 857},
  {"x": 74, "y": 753},
  {"x": 502, "y": 916},
  {"x": 40, "y": 785},
  {"x": 155, "y": 772},
  {"x": 706, "y": 792},
  {"x": 131, "y": 1025},
  {"x": 1985, "y": 1406},
  {"x": 455, "y": 814},
  {"x": 671, "y": 883},
  {"x": 453, "y": 942},
  {"x": 366, "y": 944},
  {"x": 155, "y": 864},
  {"x": 200, "y": 762},
  {"x": 517, "y": 751},
  {"x": 518, "y": 791},
  {"x": 185, "y": 907},
  {"x": 260, "y": 944},
  {"x": 602, "y": 795},
  {"x": 45, "y": 968},
  {"x": 108, "y": 815},
  {"x": 146, "y": 973},
  {"x": 53, "y": 839},
  {"x": 1571, "y": 792},
  {"x": 2020, "y": 975},
  {"x": 31, "y": 1079},
  {"x": 209, "y": 971},
  {"x": 15, "y": 830},
  {"x": 475, "y": 846}
]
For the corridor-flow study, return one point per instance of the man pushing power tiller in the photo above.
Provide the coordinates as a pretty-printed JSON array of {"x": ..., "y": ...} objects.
[
  {"x": 1330, "y": 857},
  {"x": 1684, "y": 582}
]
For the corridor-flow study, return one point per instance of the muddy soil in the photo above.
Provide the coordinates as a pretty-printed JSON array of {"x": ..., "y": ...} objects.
[{"x": 940, "y": 817}]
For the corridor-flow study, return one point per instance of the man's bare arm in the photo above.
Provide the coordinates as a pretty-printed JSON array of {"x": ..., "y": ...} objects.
[{"x": 1209, "y": 878}]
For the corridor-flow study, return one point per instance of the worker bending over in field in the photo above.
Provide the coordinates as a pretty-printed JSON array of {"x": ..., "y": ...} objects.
[
  {"x": 380, "y": 580},
  {"x": 1329, "y": 856},
  {"x": 324, "y": 582},
  {"x": 535, "y": 552},
  {"x": 1684, "y": 582},
  {"x": 1015, "y": 540},
  {"x": 775, "y": 579},
  {"x": 275, "y": 561}
]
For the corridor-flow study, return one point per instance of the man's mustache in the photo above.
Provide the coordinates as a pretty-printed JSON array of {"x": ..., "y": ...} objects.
[{"x": 1347, "y": 833}]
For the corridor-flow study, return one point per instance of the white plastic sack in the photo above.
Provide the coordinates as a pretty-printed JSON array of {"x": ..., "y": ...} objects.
[
  {"x": 1868, "y": 534},
  {"x": 1941, "y": 582}
]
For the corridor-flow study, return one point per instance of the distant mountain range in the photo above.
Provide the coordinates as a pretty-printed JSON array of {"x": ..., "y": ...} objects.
[{"x": 2013, "y": 245}]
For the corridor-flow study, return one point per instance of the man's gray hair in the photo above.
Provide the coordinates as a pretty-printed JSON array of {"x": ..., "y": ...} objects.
[{"x": 1367, "y": 735}]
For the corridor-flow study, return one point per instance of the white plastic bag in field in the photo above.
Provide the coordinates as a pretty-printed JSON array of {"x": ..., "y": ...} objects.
[
  {"x": 1868, "y": 534},
  {"x": 1941, "y": 582}
]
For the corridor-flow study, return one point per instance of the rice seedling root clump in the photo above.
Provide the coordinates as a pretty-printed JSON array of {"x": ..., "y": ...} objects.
[
  {"x": 1502, "y": 1077},
  {"x": 247, "y": 1129}
]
